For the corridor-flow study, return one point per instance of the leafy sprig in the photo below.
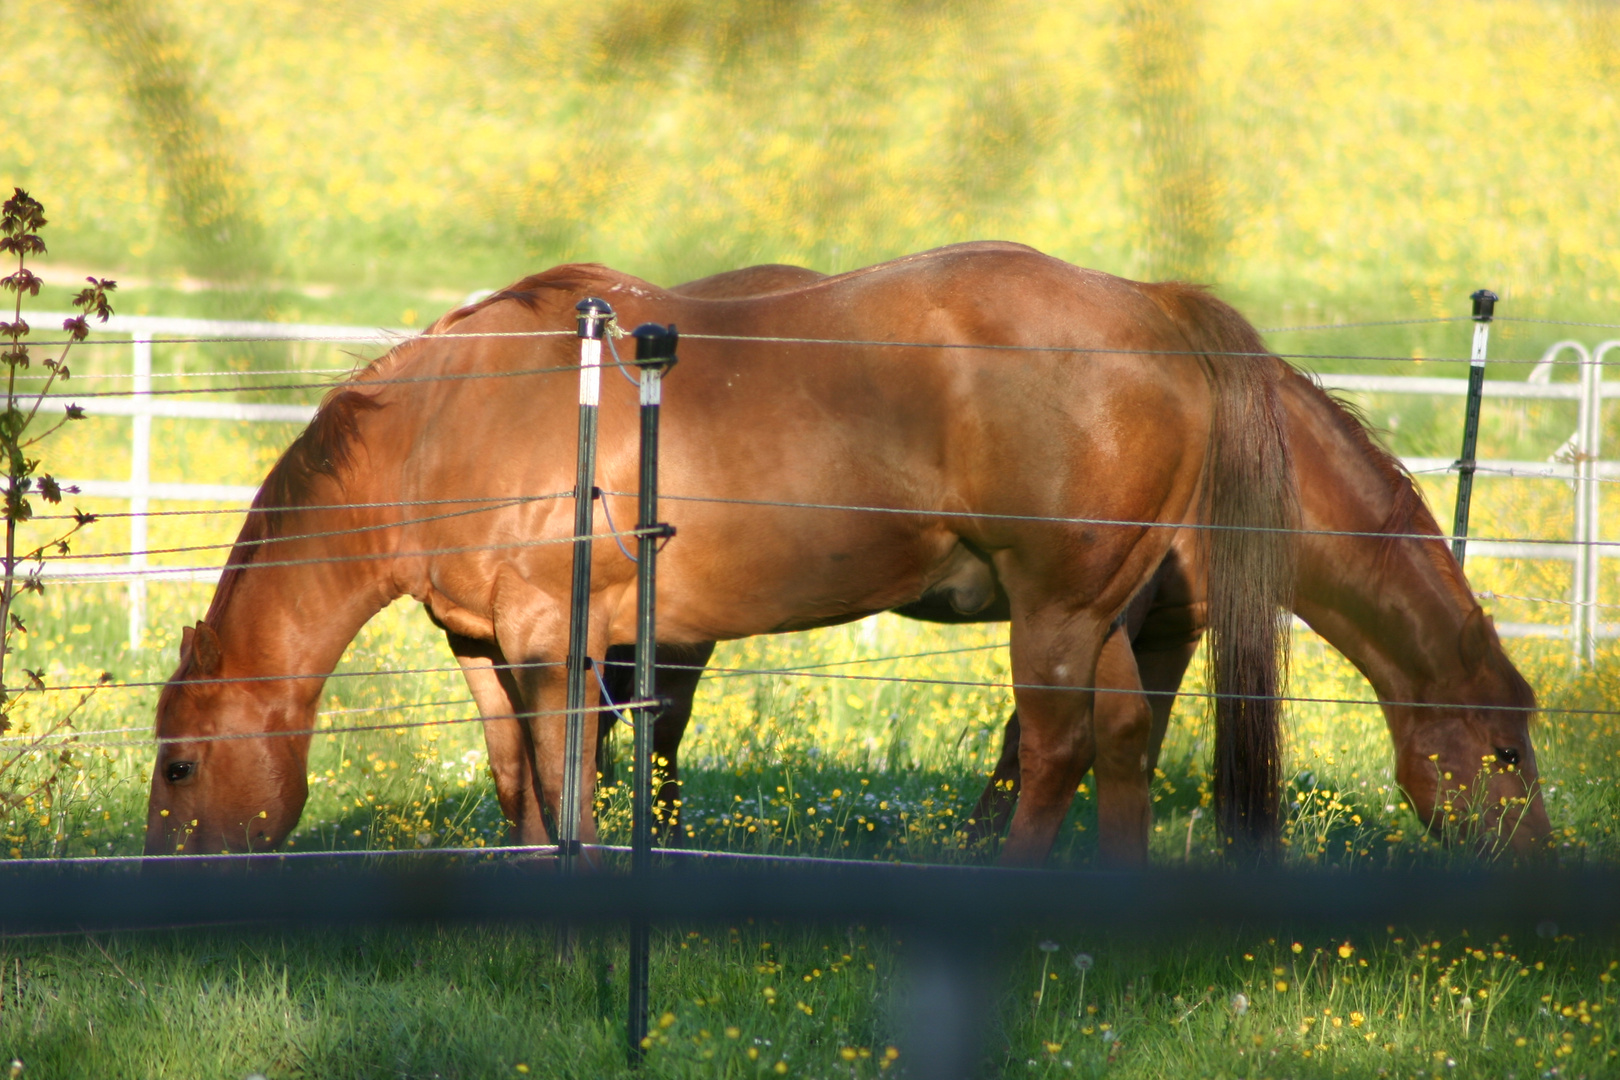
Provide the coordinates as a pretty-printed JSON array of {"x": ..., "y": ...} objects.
[{"x": 22, "y": 218}]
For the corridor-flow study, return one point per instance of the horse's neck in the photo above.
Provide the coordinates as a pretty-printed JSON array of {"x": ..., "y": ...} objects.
[
  {"x": 1395, "y": 607},
  {"x": 297, "y": 603}
]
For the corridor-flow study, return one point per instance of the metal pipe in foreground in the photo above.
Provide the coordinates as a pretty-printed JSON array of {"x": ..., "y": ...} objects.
[
  {"x": 593, "y": 316},
  {"x": 1484, "y": 308},
  {"x": 179, "y": 891},
  {"x": 655, "y": 354}
]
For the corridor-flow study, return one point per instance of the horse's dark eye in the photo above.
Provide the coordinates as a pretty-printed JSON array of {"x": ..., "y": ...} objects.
[
  {"x": 177, "y": 771},
  {"x": 1507, "y": 755}
]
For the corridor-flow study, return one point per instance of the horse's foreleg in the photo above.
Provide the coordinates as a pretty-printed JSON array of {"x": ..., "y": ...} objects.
[
  {"x": 1054, "y": 662},
  {"x": 532, "y": 630},
  {"x": 511, "y": 758},
  {"x": 1000, "y": 795},
  {"x": 1123, "y": 726}
]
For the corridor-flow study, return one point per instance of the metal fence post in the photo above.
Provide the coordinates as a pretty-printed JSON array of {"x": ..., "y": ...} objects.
[
  {"x": 1484, "y": 307},
  {"x": 939, "y": 1003},
  {"x": 140, "y": 479},
  {"x": 1591, "y": 499},
  {"x": 1588, "y": 444},
  {"x": 593, "y": 315},
  {"x": 1542, "y": 374},
  {"x": 655, "y": 354}
]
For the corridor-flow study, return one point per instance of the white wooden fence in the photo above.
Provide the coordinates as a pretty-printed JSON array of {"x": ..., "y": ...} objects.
[{"x": 1577, "y": 462}]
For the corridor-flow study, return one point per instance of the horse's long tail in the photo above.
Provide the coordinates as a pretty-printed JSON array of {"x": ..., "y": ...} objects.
[{"x": 1250, "y": 507}]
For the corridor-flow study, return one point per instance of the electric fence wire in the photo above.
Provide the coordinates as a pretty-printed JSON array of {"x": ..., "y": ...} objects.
[
  {"x": 130, "y": 572},
  {"x": 78, "y": 741},
  {"x": 159, "y": 572},
  {"x": 809, "y": 671},
  {"x": 360, "y": 729},
  {"x": 75, "y": 733},
  {"x": 762, "y": 339},
  {"x": 500, "y": 503}
]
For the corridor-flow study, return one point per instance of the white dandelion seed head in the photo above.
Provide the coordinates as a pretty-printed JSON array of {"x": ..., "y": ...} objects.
[
  {"x": 1240, "y": 1003},
  {"x": 1083, "y": 961},
  {"x": 1049, "y": 946}
]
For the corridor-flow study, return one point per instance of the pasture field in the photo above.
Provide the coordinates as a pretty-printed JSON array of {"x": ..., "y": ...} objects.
[
  {"x": 818, "y": 766},
  {"x": 867, "y": 741}
]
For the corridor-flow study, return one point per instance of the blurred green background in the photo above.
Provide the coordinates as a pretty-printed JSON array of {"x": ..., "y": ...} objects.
[{"x": 375, "y": 162}]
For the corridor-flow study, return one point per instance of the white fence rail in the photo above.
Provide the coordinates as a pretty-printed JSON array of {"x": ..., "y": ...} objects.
[{"x": 1577, "y": 462}]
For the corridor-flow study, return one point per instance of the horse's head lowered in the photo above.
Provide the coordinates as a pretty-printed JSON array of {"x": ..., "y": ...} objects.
[
  {"x": 1468, "y": 768},
  {"x": 211, "y": 790}
]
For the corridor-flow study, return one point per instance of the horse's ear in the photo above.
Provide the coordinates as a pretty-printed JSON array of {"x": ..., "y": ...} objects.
[
  {"x": 186, "y": 634},
  {"x": 206, "y": 653},
  {"x": 1478, "y": 638}
]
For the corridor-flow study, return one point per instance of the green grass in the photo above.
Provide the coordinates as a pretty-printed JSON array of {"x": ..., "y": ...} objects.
[{"x": 758, "y": 1000}]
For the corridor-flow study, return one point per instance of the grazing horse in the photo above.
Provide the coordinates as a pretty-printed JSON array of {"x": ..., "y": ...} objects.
[
  {"x": 984, "y": 414},
  {"x": 1398, "y": 607}
]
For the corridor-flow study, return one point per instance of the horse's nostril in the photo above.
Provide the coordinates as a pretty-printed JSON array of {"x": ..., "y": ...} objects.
[
  {"x": 1507, "y": 755},
  {"x": 177, "y": 771}
]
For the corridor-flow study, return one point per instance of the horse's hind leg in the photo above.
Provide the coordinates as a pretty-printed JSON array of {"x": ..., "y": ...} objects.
[
  {"x": 1123, "y": 726},
  {"x": 680, "y": 667},
  {"x": 1162, "y": 671},
  {"x": 1054, "y": 663},
  {"x": 1000, "y": 795},
  {"x": 677, "y": 682},
  {"x": 1124, "y": 806},
  {"x": 510, "y": 753}
]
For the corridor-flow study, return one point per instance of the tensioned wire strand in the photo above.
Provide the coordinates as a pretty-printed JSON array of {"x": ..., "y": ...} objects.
[
  {"x": 746, "y": 339},
  {"x": 158, "y": 572},
  {"x": 78, "y": 741},
  {"x": 503, "y": 504},
  {"x": 155, "y": 684},
  {"x": 1517, "y": 474},
  {"x": 486, "y": 667},
  {"x": 803, "y": 668},
  {"x": 506, "y": 504},
  {"x": 299, "y": 733},
  {"x": 395, "y": 338},
  {"x": 66, "y": 740},
  {"x": 353, "y": 369},
  {"x": 72, "y": 734},
  {"x": 1491, "y": 470},
  {"x": 558, "y": 369},
  {"x": 461, "y": 501},
  {"x": 163, "y": 571},
  {"x": 1363, "y": 324}
]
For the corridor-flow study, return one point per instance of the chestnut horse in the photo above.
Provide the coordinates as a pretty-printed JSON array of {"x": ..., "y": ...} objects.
[
  {"x": 1399, "y": 608},
  {"x": 1054, "y": 432}
]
